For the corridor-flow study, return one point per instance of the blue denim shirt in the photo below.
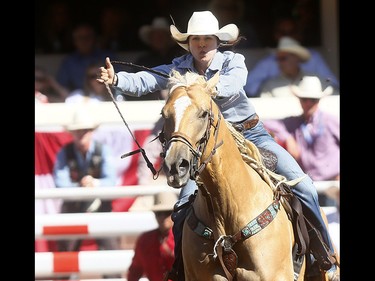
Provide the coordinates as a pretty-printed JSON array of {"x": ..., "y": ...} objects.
[{"x": 231, "y": 97}]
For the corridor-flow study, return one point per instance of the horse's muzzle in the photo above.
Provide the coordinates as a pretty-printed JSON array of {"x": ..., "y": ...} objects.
[{"x": 177, "y": 170}]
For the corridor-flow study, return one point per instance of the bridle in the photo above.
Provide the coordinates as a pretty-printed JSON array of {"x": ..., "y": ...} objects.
[{"x": 199, "y": 148}]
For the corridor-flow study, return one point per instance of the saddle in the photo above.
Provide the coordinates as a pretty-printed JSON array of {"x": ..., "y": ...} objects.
[{"x": 308, "y": 238}]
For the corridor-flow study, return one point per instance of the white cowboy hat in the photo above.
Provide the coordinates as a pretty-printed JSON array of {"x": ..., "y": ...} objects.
[
  {"x": 158, "y": 23},
  {"x": 81, "y": 120},
  {"x": 164, "y": 201},
  {"x": 311, "y": 87},
  {"x": 289, "y": 45},
  {"x": 204, "y": 23}
]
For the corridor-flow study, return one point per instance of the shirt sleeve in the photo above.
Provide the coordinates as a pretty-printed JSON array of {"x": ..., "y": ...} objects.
[
  {"x": 232, "y": 76},
  {"x": 142, "y": 82}
]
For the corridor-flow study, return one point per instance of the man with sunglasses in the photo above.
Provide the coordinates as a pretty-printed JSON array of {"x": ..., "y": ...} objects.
[
  {"x": 290, "y": 56},
  {"x": 267, "y": 67}
]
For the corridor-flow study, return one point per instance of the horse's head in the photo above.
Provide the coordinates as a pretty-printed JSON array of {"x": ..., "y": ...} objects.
[{"x": 187, "y": 120}]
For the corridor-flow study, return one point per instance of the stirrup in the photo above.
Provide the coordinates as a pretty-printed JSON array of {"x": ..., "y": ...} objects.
[{"x": 320, "y": 251}]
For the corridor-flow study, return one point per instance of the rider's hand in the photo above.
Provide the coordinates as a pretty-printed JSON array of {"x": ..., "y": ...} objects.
[{"x": 107, "y": 73}]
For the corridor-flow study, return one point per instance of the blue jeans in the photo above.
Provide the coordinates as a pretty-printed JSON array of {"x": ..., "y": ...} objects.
[
  {"x": 178, "y": 216},
  {"x": 286, "y": 166}
]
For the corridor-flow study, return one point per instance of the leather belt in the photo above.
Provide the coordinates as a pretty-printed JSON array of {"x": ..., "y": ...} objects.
[{"x": 247, "y": 124}]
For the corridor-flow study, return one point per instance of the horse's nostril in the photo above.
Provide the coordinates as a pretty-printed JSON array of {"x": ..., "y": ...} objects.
[
  {"x": 184, "y": 164},
  {"x": 183, "y": 168},
  {"x": 173, "y": 170}
]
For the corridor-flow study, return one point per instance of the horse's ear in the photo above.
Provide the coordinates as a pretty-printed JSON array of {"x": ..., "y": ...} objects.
[{"x": 211, "y": 83}]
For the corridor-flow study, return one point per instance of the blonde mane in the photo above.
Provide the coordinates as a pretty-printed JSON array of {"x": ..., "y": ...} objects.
[{"x": 188, "y": 79}]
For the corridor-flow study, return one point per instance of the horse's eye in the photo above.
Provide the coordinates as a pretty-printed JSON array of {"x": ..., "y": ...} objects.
[{"x": 204, "y": 114}]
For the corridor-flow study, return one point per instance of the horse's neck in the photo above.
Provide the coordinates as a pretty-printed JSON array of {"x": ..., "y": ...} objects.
[
  {"x": 226, "y": 164},
  {"x": 232, "y": 185}
]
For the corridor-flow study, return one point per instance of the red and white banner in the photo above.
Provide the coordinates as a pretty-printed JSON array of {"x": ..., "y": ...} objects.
[{"x": 46, "y": 147}]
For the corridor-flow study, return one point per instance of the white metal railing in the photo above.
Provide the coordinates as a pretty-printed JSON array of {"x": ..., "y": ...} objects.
[
  {"x": 72, "y": 193},
  {"x": 87, "y": 262},
  {"x": 54, "y": 116},
  {"x": 93, "y": 225},
  {"x": 49, "y": 264}
]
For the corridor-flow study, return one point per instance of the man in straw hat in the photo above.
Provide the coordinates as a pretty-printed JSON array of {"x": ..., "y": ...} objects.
[
  {"x": 153, "y": 252},
  {"x": 289, "y": 55},
  {"x": 87, "y": 171},
  {"x": 202, "y": 41},
  {"x": 84, "y": 163},
  {"x": 313, "y": 137}
]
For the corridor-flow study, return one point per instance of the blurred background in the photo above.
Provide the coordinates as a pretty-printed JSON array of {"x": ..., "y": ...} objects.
[{"x": 117, "y": 23}]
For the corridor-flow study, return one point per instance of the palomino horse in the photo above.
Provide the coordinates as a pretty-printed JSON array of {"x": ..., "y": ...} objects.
[{"x": 237, "y": 228}]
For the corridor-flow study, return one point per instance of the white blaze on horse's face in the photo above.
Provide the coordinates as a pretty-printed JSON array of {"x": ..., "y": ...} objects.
[{"x": 180, "y": 106}]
